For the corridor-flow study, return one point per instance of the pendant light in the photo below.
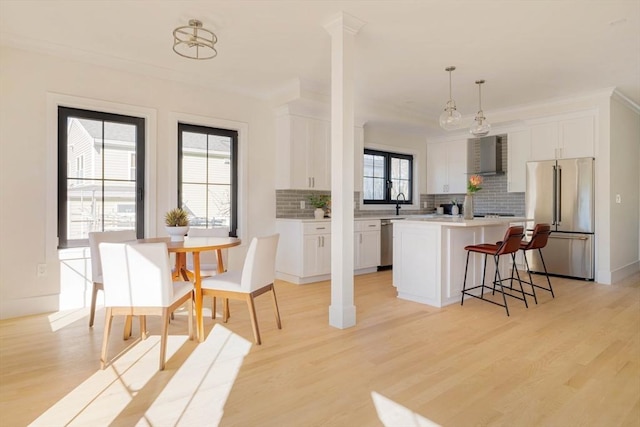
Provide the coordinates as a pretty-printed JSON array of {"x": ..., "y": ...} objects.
[
  {"x": 450, "y": 117},
  {"x": 480, "y": 126}
]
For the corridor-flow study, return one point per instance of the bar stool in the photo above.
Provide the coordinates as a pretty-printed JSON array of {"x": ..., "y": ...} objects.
[
  {"x": 538, "y": 241},
  {"x": 509, "y": 245}
]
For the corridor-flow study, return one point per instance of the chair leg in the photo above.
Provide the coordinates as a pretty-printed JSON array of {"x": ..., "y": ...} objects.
[
  {"x": 524, "y": 297},
  {"x": 94, "y": 298},
  {"x": 275, "y": 306},
  {"x": 497, "y": 279},
  {"x": 464, "y": 282},
  {"x": 533, "y": 287},
  {"x": 213, "y": 308},
  {"x": 254, "y": 319},
  {"x": 191, "y": 309},
  {"x": 163, "y": 336},
  {"x": 225, "y": 310},
  {"x": 105, "y": 337},
  {"x": 128, "y": 325},
  {"x": 546, "y": 273},
  {"x": 143, "y": 327},
  {"x": 484, "y": 273}
]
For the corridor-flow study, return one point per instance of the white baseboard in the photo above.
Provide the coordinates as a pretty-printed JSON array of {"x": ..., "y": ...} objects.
[{"x": 28, "y": 306}]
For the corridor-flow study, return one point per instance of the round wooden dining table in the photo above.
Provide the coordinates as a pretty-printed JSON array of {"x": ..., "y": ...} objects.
[{"x": 195, "y": 245}]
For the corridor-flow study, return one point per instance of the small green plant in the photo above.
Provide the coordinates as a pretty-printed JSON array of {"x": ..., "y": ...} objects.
[
  {"x": 177, "y": 217},
  {"x": 319, "y": 200}
]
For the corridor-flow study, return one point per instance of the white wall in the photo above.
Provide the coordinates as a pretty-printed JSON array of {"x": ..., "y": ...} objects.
[
  {"x": 28, "y": 82},
  {"x": 625, "y": 181}
]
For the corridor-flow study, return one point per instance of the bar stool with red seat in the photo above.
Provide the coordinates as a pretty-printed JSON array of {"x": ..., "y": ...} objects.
[
  {"x": 538, "y": 241},
  {"x": 510, "y": 244}
]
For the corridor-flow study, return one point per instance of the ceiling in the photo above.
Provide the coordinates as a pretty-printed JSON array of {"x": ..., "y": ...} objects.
[{"x": 527, "y": 51}]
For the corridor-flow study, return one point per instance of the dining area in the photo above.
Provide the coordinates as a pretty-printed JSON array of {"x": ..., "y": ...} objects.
[{"x": 158, "y": 276}]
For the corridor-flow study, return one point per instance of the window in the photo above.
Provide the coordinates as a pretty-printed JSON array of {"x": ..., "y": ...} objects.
[
  {"x": 94, "y": 174},
  {"x": 387, "y": 175},
  {"x": 207, "y": 176}
]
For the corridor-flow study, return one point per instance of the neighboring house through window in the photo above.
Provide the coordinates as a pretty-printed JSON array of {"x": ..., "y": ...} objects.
[
  {"x": 387, "y": 177},
  {"x": 99, "y": 188},
  {"x": 207, "y": 176}
]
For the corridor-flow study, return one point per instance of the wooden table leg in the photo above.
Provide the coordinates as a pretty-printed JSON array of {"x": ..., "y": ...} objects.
[{"x": 197, "y": 284}]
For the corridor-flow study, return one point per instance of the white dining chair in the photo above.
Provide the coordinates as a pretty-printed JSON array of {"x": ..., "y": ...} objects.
[
  {"x": 256, "y": 278},
  {"x": 137, "y": 281},
  {"x": 95, "y": 238}
]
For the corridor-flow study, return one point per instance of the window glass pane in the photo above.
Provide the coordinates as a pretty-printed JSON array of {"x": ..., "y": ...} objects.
[
  {"x": 119, "y": 143},
  {"x": 368, "y": 165},
  {"x": 378, "y": 167},
  {"x": 379, "y": 189},
  {"x": 119, "y": 205},
  {"x": 206, "y": 181},
  {"x": 219, "y": 199},
  {"x": 84, "y": 148}
]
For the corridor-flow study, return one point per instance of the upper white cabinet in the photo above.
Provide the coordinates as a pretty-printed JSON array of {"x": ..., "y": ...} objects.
[
  {"x": 563, "y": 138},
  {"x": 519, "y": 153},
  {"x": 447, "y": 167},
  {"x": 304, "y": 153}
]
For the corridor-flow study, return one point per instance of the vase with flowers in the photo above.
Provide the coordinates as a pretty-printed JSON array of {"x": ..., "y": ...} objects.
[{"x": 473, "y": 186}]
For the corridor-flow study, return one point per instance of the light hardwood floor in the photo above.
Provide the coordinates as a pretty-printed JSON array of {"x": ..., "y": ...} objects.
[{"x": 572, "y": 360}]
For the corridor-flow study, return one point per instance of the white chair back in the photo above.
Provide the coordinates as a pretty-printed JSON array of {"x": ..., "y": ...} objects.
[
  {"x": 259, "y": 268},
  {"x": 208, "y": 259},
  {"x": 97, "y": 237},
  {"x": 136, "y": 275}
]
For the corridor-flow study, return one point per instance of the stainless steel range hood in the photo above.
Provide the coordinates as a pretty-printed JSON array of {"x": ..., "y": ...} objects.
[{"x": 490, "y": 156}]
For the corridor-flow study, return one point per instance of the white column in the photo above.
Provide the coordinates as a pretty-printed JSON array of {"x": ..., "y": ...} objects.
[{"x": 342, "y": 312}]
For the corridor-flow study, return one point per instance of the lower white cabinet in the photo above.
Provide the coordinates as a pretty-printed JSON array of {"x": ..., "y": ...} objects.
[
  {"x": 304, "y": 250},
  {"x": 366, "y": 247}
]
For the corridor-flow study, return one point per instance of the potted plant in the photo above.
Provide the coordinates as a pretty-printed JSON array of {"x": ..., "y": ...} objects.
[
  {"x": 177, "y": 224},
  {"x": 320, "y": 202}
]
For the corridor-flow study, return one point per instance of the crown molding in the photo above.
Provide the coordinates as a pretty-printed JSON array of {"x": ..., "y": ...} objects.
[{"x": 623, "y": 99}]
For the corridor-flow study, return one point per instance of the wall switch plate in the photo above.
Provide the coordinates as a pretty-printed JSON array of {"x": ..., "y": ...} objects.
[
  {"x": 424, "y": 205},
  {"x": 618, "y": 198},
  {"x": 302, "y": 204},
  {"x": 42, "y": 270}
]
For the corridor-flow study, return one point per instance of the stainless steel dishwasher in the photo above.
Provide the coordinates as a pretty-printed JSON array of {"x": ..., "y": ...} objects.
[{"x": 386, "y": 243}]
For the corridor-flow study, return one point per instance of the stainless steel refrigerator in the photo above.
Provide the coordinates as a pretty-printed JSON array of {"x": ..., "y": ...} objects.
[{"x": 561, "y": 194}]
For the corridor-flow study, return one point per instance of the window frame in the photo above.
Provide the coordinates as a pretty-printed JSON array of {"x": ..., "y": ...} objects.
[
  {"x": 388, "y": 156},
  {"x": 64, "y": 113},
  {"x": 234, "y": 136}
]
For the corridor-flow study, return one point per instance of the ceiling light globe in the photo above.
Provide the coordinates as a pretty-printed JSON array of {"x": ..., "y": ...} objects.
[
  {"x": 450, "y": 119},
  {"x": 480, "y": 128}
]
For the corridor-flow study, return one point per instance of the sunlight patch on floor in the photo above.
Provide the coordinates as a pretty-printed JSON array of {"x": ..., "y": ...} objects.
[
  {"x": 197, "y": 393},
  {"x": 392, "y": 414},
  {"x": 60, "y": 319},
  {"x": 104, "y": 395}
]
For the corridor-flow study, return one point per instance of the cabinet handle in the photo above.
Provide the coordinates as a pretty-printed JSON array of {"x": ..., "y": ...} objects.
[
  {"x": 319, "y": 228},
  {"x": 313, "y": 180},
  {"x": 322, "y": 241},
  {"x": 309, "y": 181}
]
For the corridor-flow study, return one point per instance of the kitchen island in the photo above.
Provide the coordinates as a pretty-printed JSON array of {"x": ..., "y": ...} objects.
[{"x": 429, "y": 257}]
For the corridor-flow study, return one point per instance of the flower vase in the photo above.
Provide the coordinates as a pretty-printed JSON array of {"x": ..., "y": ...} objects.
[
  {"x": 467, "y": 207},
  {"x": 318, "y": 213},
  {"x": 177, "y": 233}
]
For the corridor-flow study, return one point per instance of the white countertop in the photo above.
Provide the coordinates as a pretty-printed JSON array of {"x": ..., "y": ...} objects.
[{"x": 449, "y": 221}]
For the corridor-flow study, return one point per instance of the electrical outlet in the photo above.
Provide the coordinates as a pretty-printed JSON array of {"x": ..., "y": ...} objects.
[
  {"x": 302, "y": 204},
  {"x": 618, "y": 198},
  {"x": 42, "y": 270},
  {"x": 424, "y": 205}
]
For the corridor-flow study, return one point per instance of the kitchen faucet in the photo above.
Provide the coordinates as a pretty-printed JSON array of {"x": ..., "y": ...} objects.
[{"x": 398, "y": 202}]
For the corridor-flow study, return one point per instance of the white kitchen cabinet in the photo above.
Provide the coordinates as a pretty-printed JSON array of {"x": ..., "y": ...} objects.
[
  {"x": 366, "y": 248},
  {"x": 563, "y": 138},
  {"x": 519, "y": 153},
  {"x": 304, "y": 250},
  {"x": 304, "y": 153},
  {"x": 447, "y": 167}
]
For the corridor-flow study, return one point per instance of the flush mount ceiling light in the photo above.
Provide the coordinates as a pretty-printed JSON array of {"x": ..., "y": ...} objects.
[
  {"x": 450, "y": 117},
  {"x": 480, "y": 126},
  {"x": 194, "y": 42}
]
